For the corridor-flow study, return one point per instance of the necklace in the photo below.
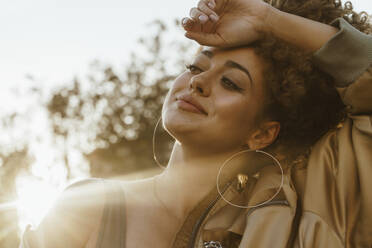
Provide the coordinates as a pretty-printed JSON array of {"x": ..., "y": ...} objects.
[{"x": 169, "y": 212}]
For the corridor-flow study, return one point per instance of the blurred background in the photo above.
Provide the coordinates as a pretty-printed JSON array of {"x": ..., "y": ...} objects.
[{"x": 81, "y": 88}]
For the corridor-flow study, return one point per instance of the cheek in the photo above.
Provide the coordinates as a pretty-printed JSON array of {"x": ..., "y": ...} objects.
[
  {"x": 180, "y": 83},
  {"x": 237, "y": 116},
  {"x": 172, "y": 119}
]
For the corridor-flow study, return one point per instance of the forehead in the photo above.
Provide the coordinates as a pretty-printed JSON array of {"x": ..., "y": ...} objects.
[{"x": 242, "y": 55}]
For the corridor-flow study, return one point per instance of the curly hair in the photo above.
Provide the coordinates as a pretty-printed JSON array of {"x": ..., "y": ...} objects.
[{"x": 301, "y": 97}]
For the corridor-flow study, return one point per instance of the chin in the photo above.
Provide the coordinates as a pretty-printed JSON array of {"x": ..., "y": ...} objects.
[{"x": 177, "y": 127}]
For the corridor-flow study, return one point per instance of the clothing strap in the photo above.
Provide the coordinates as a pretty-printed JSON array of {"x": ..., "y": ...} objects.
[{"x": 113, "y": 229}]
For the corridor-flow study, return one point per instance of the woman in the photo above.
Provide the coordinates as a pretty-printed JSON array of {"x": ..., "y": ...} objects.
[{"x": 266, "y": 82}]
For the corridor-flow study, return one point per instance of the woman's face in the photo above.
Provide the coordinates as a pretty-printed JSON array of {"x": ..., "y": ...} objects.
[{"x": 214, "y": 103}]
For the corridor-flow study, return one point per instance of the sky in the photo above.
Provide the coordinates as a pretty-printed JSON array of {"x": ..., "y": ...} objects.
[{"x": 54, "y": 40}]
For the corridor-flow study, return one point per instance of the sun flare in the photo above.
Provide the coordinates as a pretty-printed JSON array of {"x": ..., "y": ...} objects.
[{"x": 35, "y": 198}]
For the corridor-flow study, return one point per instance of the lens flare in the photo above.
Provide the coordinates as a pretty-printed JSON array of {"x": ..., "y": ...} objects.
[{"x": 35, "y": 198}]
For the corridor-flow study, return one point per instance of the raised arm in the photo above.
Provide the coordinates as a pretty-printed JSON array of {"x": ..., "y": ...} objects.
[
  {"x": 301, "y": 32},
  {"x": 241, "y": 22},
  {"x": 337, "y": 197}
]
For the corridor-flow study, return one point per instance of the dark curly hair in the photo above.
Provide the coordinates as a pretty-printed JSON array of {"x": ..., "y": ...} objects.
[{"x": 299, "y": 95}]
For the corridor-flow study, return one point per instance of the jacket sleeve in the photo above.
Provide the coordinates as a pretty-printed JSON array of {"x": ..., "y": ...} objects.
[
  {"x": 70, "y": 221},
  {"x": 337, "y": 199}
]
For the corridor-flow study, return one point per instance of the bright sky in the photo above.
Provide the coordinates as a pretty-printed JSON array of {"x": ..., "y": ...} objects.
[{"x": 54, "y": 40}]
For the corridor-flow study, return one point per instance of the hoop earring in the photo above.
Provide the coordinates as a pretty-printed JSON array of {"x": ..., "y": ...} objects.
[
  {"x": 238, "y": 153},
  {"x": 153, "y": 146}
]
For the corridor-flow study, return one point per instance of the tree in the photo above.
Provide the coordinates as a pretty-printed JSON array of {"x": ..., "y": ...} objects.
[{"x": 110, "y": 117}]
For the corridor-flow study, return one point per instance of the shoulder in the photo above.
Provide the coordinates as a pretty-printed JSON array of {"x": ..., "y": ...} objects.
[
  {"x": 71, "y": 220},
  {"x": 136, "y": 190},
  {"x": 337, "y": 181},
  {"x": 82, "y": 196}
]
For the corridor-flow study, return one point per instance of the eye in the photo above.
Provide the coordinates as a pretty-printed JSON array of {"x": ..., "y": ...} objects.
[
  {"x": 227, "y": 83},
  {"x": 193, "y": 69}
]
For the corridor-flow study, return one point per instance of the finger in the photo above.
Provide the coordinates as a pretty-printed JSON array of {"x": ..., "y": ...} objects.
[
  {"x": 190, "y": 25},
  {"x": 198, "y": 16},
  {"x": 205, "y": 7},
  {"x": 197, "y": 24},
  {"x": 205, "y": 39},
  {"x": 212, "y": 4},
  {"x": 187, "y": 23}
]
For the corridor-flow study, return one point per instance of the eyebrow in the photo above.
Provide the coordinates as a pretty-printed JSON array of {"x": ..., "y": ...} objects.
[
  {"x": 230, "y": 64},
  {"x": 207, "y": 53}
]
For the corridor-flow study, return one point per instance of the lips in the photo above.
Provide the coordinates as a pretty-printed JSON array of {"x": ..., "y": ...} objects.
[{"x": 187, "y": 102}]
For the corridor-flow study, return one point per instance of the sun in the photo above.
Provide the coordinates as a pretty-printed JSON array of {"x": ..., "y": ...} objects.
[{"x": 35, "y": 198}]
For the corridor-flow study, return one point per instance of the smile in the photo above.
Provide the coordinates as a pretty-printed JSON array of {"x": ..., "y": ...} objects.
[{"x": 187, "y": 106}]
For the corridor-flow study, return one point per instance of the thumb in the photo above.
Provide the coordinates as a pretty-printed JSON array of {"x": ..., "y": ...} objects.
[{"x": 205, "y": 39}]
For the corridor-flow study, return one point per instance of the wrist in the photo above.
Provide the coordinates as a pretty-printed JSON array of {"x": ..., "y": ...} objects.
[
  {"x": 296, "y": 30},
  {"x": 271, "y": 17}
]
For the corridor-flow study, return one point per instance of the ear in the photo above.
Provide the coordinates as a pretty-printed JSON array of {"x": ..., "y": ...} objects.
[{"x": 264, "y": 135}]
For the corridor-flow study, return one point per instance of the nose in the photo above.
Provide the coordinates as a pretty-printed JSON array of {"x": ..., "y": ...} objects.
[{"x": 200, "y": 85}]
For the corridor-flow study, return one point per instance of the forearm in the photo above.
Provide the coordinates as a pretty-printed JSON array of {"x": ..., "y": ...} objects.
[{"x": 299, "y": 31}]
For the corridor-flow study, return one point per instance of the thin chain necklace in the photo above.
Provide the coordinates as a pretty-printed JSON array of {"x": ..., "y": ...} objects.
[{"x": 170, "y": 212}]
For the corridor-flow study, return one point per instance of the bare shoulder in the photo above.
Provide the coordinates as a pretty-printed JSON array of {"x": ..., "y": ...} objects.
[
  {"x": 84, "y": 196},
  {"x": 73, "y": 217},
  {"x": 140, "y": 202},
  {"x": 137, "y": 190}
]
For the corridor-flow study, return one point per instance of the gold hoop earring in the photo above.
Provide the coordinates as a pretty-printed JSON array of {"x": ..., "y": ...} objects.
[
  {"x": 153, "y": 146},
  {"x": 238, "y": 153}
]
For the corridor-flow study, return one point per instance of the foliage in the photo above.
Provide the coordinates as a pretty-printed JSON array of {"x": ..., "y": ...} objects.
[{"x": 110, "y": 116}]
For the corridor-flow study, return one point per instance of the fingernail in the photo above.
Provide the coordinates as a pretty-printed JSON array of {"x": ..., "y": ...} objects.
[
  {"x": 211, "y": 5},
  {"x": 184, "y": 21},
  {"x": 203, "y": 18},
  {"x": 213, "y": 17}
]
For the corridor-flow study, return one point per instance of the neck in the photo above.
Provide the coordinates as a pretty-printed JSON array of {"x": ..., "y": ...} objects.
[{"x": 189, "y": 176}]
